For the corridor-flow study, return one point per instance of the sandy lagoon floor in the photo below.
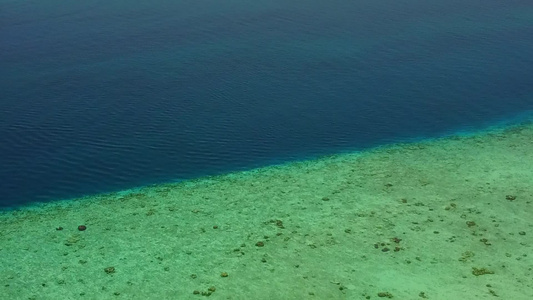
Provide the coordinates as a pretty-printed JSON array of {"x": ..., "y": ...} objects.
[{"x": 444, "y": 219}]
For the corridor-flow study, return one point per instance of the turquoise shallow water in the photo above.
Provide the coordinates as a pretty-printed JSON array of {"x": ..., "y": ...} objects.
[{"x": 101, "y": 96}]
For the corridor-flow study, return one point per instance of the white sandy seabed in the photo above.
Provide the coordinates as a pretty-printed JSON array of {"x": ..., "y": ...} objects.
[{"x": 444, "y": 219}]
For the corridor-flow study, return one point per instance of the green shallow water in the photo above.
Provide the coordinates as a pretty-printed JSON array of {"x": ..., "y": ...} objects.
[{"x": 442, "y": 219}]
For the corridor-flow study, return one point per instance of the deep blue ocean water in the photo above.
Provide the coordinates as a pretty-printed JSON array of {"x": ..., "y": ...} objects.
[{"x": 98, "y": 96}]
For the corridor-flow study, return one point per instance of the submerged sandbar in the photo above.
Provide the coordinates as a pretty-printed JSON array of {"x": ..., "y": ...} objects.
[{"x": 442, "y": 219}]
